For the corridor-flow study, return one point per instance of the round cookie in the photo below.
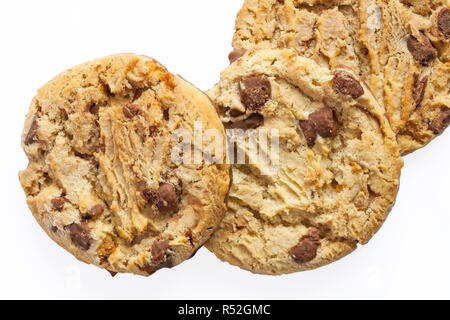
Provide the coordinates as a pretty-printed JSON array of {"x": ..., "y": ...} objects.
[
  {"x": 334, "y": 178},
  {"x": 102, "y": 180},
  {"x": 400, "y": 47}
]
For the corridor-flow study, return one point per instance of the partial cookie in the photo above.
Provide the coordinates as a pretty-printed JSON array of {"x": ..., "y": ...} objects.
[
  {"x": 102, "y": 181},
  {"x": 333, "y": 181},
  {"x": 400, "y": 47}
]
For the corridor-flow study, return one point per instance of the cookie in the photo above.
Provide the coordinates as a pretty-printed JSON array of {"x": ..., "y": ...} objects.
[
  {"x": 102, "y": 180},
  {"x": 400, "y": 47},
  {"x": 335, "y": 176}
]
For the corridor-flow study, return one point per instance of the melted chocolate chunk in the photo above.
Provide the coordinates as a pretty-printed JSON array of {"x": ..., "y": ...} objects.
[
  {"x": 346, "y": 84},
  {"x": 422, "y": 51},
  {"x": 236, "y": 113},
  {"x": 94, "y": 212},
  {"x": 167, "y": 198},
  {"x": 58, "y": 203},
  {"x": 32, "y": 133},
  {"x": 306, "y": 249},
  {"x": 325, "y": 123},
  {"x": 236, "y": 54},
  {"x": 79, "y": 234},
  {"x": 254, "y": 121},
  {"x": 441, "y": 123},
  {"x": 255, "y": 92},
  {"x": 309, "y": 132},
  {"x": 321, "y": 122},
  {"x": 443, "y": 21},
  {"x": 159, "y": 254}
]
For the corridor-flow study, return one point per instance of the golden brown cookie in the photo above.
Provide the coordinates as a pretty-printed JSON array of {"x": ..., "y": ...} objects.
[
  {"x": 400, "y": 47},
  {"x": 329, "y": 176},
  {"x": 102, "y": 180}
]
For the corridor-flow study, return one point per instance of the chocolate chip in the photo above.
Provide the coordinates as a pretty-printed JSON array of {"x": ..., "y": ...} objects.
[
  {"x": 236, "y": 54},
  {"x": 346, "y": 84},
  {"x": 112, "y": 273},
  {"x": 422, "y": 51},
  {"x": 167, "y": 198},
  {"x": 79, "y": 234},
  {"x": 309, "y": 131},
  {"x": 32, "y": 133},
  {"x": 441, "y": 123},
  {"x": 159, "y": 253},
  {"x": 255, "y": 91},
  {"x": 306, "y": 249},
  {"x": 159, "y": 249},
  {"x": 419, "y": 90},
  {"x": 94, "y": 108},
  {"x": 54, "y": 229},
  {"x": 150, "y": 195},
  {"x": 58, "y": 203},
  {"x": 444, "y": 22},
  {"x": 254, "y": 121},
  {"x": 94, "y": 212},
  {"x": 324, "y": 122},
  {"x": 131, "y": 110},
  {"x": 137, "y": 84},
  {"x": 236, "y": 113}
]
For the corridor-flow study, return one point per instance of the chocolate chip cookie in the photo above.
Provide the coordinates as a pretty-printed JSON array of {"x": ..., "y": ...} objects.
[
  {"x": 400, "y": 47},
  {"x": 329, "y": 182},
  {"x": 102, "y": 180}
]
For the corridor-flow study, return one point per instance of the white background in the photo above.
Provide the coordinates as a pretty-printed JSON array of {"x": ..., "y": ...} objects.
[{"x": 408, "y": 258}]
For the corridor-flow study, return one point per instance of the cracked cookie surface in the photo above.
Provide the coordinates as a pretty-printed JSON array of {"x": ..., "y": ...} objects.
[
  {"x": 335, "y": 177},
  {"x": 101, "y": 180},
  {"x": 400, "y": 47}
]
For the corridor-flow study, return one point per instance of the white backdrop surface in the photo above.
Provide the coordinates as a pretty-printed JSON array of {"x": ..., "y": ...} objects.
[{"x": 408, "y": 258}]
